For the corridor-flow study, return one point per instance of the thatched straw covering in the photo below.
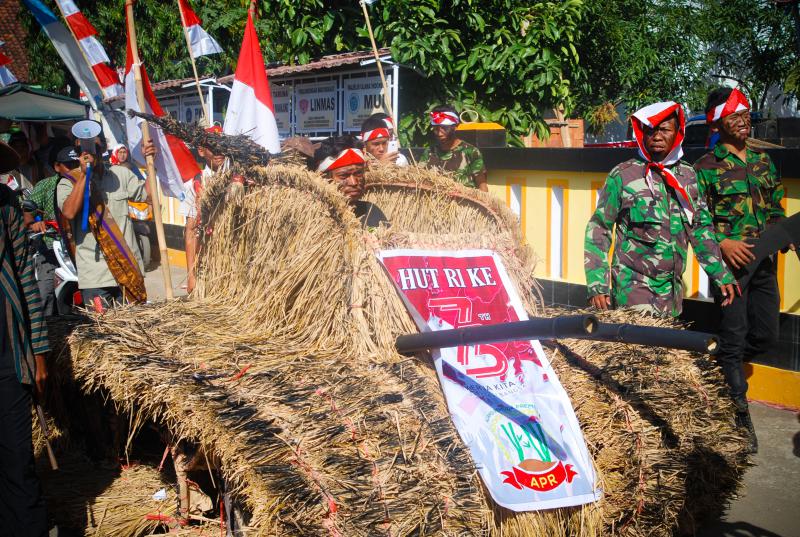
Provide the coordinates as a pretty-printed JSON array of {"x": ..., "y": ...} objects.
[{"x": 282, "y": 366}]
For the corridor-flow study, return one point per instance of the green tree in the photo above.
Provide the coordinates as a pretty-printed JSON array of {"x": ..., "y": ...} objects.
[
  {"x": 509, "y": 60},
  {"x": 633, "y": 52},
  {"x": 751, "y": 41}
]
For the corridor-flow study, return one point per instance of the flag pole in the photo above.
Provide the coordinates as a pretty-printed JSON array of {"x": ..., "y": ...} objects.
[
  {"x": 194, "y": 64},
  {"x": 386, "y": 94},
  {"x": 151, "y": 167}
]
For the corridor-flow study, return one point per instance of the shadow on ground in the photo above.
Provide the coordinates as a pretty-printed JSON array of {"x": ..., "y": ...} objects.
[{"x": 736, "y": 529}]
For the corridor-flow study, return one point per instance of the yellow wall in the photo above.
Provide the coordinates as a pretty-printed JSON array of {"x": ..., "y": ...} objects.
[{"x": 580, "y": 190}]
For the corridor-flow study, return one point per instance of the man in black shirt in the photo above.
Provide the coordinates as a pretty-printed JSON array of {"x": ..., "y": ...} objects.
[{"x": 340, "y": 161}]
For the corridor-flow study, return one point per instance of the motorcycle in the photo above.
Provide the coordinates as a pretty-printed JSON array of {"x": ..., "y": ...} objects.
[{"x": 65, "y": 277}]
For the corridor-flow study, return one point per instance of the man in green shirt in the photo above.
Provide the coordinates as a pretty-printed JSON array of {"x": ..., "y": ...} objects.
[
  {"x": 744, "y": 193},
  {"x": 452, "y": 154}
]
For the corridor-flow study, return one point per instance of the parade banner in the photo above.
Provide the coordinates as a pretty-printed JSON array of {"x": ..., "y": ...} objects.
[
  {"x": 363, "y": 97},
  {"x": 282, "y": 100},
  {"x": 315, "y": 107},
  {"x": 504, "y": 398}
]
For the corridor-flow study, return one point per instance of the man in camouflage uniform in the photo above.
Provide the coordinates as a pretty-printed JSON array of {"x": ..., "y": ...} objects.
[
  {"x": 744, "y": 195},
  {"x": 452, "y": 154},
  {"x": 658, "y": 209}
]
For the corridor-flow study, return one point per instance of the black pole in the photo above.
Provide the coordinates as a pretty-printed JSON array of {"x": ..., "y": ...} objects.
[
  {"x": 556, "y": 327},
  {"x": 656, "y": 337}
]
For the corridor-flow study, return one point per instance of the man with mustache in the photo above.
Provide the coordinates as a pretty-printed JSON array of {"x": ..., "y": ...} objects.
[
  {"x": 340, "y": 161},
  {"x": 658, "y": 209},
  {"x": 744, "y": 193}
]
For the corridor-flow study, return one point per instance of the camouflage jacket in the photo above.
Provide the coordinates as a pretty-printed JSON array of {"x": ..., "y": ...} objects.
[
  {"x": 651, "y": 240},
  {"x": 464, "y": 161},
  {"x": 742, "y": 197}
]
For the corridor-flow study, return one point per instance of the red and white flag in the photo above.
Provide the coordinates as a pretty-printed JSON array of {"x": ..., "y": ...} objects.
[
  {"x": 6, "y": 76},
  {"x": 95, "y": 53},
  {"x": 201, "y": 43},
  {"x": 174, "y": 162},
  {"x": 250, "y": 109}
]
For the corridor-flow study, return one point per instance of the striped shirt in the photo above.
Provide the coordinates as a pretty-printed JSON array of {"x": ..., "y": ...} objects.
[{"x": 25, "y": 328}]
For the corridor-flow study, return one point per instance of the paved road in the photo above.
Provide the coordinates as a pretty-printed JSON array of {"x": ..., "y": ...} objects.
[
  {"x": 769, "y": 505},
  {"x": 154, "y": 281}
]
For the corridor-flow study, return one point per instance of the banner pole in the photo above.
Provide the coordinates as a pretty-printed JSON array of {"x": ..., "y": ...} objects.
[
  {"x": 151, "y": 167},
  {"x": 194, "y": 64}
]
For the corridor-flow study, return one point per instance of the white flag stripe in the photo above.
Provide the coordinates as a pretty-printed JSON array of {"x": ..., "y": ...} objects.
[
  {"x": 202, "y": 43},
  {"x": 6, "y": 77},
  {"x": 249, "y": 116},
  {"x": 168, "y": 174},
  {"x": 68, "y": 7},
  {"x": 95, "y": 52}
]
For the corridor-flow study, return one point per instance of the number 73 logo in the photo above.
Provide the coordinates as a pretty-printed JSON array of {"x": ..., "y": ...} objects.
[{"x": 498, "y": 363}]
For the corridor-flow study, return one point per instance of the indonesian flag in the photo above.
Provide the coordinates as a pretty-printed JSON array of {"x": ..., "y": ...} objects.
[
  {"x": 201, "y": 43},
  {"x": 250, "y": 109},
  {"x": 174, "y": 163},
  {"x": 6, "y": 76},
  {"x": 95, "y": 53}
]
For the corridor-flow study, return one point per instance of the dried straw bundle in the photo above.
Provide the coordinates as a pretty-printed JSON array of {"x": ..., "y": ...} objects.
[
  {"x": 282, "y": 366},
  {"x": 106, "y": 502}
]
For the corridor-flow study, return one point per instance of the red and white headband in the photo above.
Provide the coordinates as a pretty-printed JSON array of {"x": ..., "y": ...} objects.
[
  {"x": 651, "y": 116},
  {"x": 736, "y": 103},
  {"x": 345, "y": 158},
  {"x": 389, "y": 122},
  {"x": 375, "y": 134},
  {"x": 444, "y": 118}
]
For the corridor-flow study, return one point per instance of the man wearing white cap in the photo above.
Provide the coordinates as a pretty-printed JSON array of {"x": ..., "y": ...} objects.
[
  {"x": 657, "y": 208},
  {"x": 452, "y": 154}
]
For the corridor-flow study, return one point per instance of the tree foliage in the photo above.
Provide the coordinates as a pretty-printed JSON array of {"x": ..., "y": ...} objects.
[
  {"x": 638, "y": 51},
  {"x": 509, "y": 60}
]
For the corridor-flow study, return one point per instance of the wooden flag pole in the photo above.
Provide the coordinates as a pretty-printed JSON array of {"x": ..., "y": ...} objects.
[
  {"x": 151, "y": 166},
  {"x": 386, "y": 94},
  {"x": 194, "y": 64}
]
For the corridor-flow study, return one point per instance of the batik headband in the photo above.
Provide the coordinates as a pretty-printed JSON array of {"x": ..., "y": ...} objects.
[
  {"x": 375, "y": 134},
  {"x": 345, "y": 158},
  {"x": 444, "y": 118},
  {"x": 736, "y": 103}
]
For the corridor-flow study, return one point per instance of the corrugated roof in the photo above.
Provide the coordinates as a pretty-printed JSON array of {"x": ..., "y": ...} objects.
[{"x": 326, "y": 62}]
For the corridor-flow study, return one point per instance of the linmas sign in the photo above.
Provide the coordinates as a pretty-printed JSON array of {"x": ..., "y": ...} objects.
[{"x": 505, "y": 399}]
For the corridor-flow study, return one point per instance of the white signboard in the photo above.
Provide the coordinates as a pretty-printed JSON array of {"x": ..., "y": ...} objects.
[
  {"x": 362, "y": 98},
  {"x": 282, "y": 100},
  {"x": 171, "y": 107},
  {"x": 315, "y": 107},
  {"x": 191, "y": 110},
  {"x": 504, "y": 398}
]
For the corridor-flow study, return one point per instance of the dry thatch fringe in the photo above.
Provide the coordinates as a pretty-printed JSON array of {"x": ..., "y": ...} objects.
[
  {"x": 104, "y": 502},
  {"x": 330, "y": 431},
  {"x": 241, "y": 149},
  {"x": 701, "y": 456}
]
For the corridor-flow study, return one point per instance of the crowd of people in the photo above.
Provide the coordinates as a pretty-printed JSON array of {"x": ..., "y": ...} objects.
[{"x": 656, "y": 204}]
